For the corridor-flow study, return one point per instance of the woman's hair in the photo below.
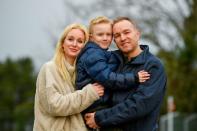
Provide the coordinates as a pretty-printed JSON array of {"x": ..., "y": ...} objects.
[
  {"x": 59, "y": 57},
  {"x": 98, "y": 20}
]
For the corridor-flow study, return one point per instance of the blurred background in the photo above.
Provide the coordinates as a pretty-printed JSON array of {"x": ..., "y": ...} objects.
[{"x": 29, "y": 30}]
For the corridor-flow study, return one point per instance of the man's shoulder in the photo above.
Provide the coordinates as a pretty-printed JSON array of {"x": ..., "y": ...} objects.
[{"x": 154, "y": 60}]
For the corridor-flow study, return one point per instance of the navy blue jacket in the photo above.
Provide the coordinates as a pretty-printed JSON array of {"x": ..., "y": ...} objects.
[
  {"x": 137, "y": 109},
  {"x": 95, "y": 64}
]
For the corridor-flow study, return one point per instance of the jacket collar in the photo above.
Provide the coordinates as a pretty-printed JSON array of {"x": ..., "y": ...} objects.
[
  {"x": 90, "y": 44},
  {"x": 140, "y": 59}
]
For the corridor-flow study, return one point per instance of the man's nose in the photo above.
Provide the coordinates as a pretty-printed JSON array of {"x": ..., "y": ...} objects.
[{"x": 122, "y": 37}]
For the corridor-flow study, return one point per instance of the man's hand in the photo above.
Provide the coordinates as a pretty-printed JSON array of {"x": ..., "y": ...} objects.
[{"x": 90, "y": 121}]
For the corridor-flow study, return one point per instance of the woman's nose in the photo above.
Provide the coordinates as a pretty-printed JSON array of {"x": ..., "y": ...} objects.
[{"x": 74, "y": 43}]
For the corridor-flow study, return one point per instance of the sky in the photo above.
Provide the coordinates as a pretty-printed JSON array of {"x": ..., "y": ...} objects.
[{"x": 23, "y": 29}]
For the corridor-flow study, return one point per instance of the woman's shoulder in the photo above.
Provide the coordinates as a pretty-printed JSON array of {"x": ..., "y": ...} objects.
[{"x": 48, "y": 66}]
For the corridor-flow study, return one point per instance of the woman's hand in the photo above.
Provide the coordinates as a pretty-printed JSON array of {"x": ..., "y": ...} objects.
[{"x": 98, "y": 88}]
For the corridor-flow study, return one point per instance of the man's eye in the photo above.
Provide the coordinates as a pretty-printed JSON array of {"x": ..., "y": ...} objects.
[
  {"x": 126, "y": 32},
  {"x": 116, "y": 36}
]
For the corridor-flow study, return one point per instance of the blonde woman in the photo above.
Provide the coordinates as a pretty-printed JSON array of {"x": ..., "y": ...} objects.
[{"x": 57, "y": 104}]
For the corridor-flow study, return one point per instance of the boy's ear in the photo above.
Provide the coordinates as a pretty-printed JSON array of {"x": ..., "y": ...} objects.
[{"x": 90, "y": 37}]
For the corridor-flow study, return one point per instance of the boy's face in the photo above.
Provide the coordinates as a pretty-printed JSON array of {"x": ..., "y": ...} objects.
[{"x": 102, "y": 35}]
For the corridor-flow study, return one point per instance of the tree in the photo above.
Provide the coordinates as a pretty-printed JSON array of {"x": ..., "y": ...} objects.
[
  {"x": 17, "y": 87},
  {"x": 181, "y": 66}
]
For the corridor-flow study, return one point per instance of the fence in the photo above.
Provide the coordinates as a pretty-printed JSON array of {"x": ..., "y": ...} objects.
[{"x": 174, "y": 121}]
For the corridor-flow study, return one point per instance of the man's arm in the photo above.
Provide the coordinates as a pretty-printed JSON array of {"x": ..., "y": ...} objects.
[{"x": 148, "y": 96}]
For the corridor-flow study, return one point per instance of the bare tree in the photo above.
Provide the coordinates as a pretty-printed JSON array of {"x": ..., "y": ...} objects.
[{"x": 160, "y": 21}]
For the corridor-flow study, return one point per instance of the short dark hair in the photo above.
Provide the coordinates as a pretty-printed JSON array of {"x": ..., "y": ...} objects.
[{"x": 118, "y": 19}]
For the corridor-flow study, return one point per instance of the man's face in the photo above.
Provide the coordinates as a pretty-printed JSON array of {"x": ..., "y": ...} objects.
[
  {"x": 102, "y": 35},
  {"x": 126, "y": 36}
]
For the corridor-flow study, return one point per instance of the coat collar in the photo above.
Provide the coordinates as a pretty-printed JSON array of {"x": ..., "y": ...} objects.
[
  {"x": 140, "y": 59},
  {"x": 90, "y": 44}
]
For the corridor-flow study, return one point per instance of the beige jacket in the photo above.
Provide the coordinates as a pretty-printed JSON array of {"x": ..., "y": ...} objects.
[{"x": 57, "y": 104}]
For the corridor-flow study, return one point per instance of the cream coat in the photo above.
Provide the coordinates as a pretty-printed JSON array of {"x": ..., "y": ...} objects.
[{"x": 57, "y": 104}]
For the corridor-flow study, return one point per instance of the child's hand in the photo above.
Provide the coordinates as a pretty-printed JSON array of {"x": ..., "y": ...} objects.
[{"x": 143, "y": 76}]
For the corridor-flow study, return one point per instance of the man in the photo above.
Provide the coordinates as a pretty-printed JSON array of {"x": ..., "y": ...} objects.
[{"x": 136, "y": 109}]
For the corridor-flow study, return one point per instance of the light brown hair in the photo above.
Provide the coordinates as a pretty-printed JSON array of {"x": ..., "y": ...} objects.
[
  {"x": 118, "y": 19},
  {"x": 98, "y": 20}
]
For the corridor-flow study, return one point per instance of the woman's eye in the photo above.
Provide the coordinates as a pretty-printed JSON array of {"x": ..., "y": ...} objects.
[{"x": 70, "y": 39}]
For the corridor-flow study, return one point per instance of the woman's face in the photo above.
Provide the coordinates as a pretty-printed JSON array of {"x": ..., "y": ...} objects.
[{"x": 73, "y": 43}]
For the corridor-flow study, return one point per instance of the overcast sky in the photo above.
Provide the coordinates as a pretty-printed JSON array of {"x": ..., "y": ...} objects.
[{"x": 23, "y": 26}]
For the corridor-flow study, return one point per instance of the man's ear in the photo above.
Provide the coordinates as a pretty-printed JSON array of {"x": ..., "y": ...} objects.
[{"x": 138, "y": 33}]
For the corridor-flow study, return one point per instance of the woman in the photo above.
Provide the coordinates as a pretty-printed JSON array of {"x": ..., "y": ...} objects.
[{"x": 57, "y": 104}]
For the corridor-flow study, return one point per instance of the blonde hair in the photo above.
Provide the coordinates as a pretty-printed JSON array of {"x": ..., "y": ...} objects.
[
  {"x": 98, "y": 20},
  {"x": 59, "y": 57}
]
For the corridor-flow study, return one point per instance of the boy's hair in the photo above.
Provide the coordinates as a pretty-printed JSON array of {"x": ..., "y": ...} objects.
[{"x": 98, "y": 20}]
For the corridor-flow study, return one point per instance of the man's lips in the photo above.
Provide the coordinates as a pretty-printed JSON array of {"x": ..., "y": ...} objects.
[{"x": 124, "y": 43}]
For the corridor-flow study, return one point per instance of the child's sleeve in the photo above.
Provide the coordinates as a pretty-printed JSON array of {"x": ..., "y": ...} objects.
[{"x": 97, "y": 66}]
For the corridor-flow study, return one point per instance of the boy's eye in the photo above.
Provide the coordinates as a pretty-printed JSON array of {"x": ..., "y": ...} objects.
[
  {"x": 80, "y": 41},
  {"x": 100, "y": 34},
  {"x": 109, "y": 34}
]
